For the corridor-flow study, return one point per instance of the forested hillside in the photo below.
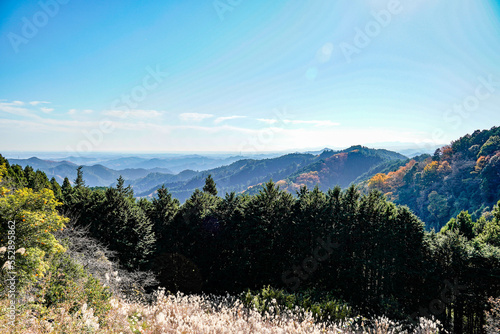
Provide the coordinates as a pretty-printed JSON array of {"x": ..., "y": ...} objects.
[
  {"x": 338, "y": 168},
  {"x": 237, "y": 176},
  {"x": 327, "y": 169},
  {"x": 464, "y": 175},
  {"x": 338, "y": 253}
]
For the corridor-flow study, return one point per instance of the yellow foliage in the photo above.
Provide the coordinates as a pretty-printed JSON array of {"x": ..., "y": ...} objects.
[
  {"x": 3, "y": 170},
  {"x": 431, "y": 168},
  {"x": 378, "y": 181},
  {"x": 480, "y": 163},
  {"x": 29, "y": 220}
]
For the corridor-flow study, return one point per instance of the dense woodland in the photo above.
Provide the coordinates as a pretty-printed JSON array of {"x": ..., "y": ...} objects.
[
  {"x": 464, "y": 175},
  {"x": 352, "y": 246}
]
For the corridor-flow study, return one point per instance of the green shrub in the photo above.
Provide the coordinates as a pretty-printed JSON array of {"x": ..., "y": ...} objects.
[
  {"x": 67, "y": 282},
  {"x": 323, "y": 306},
  {"x": 97, "y": 296}
]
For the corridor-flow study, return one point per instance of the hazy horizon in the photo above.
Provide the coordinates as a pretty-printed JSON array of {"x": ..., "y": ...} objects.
[{"x": 63, "y": 154}]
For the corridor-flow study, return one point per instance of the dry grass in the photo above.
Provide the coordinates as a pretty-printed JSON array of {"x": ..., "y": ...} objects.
[{"x": 190, "y": 314}]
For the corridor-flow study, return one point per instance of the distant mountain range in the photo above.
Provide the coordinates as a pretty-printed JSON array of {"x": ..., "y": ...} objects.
[
  {"x": 105, "y": 171},
  {"x": 96, "y": 175},
  {"x": 175, "y": 164},
  {"x": 326, "y": 168},
  {"x": 290, "y": 171}
]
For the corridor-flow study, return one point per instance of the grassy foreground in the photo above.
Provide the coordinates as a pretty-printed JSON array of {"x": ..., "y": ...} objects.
[{"x": 193, "y": 314}]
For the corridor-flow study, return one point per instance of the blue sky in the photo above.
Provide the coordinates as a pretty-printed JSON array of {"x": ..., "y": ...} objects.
[{"x": 241, "y": 75}]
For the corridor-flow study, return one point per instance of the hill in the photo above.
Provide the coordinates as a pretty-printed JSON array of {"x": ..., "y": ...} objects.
[
  {"x": 339, "y": 168},
  {"x": 464, "y": 175},
  {"x": 236, "y": 177},
  {"x": 327, "y": 169}
]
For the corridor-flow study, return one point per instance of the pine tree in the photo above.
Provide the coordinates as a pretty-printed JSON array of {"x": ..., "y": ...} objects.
[
  {"x": 122, "y": 224},
  {"x": 210, "y": 186},
  {"x": 127, "y": 191},
  {"x": 162, "y": 212},
  {"x": 29, "y": 174},
  {"x": 41, "y": 181},
  {"x": 56, "y": 188},
  {"x": 66, "y": 187},
  {"x": 79, "y": 182}
]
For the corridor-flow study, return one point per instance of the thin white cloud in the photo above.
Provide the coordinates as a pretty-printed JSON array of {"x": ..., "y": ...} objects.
[
  {"x": 20, "y": 108},
  {"x": 211, "y": 129},
  {"x": 34, "y": 103},
  {"x": 194, "y": 117},
  {"x": 46, "y": 110},
  {"x": 15, "y": 109},
  {"x": 272, "y": 121},
  {"x": 76, "y": 111},
  {"x": 311, "y": 122},
  {"x": 267, "y": 120},
  {"x": 132, "y": 113},
  {"x": 226, "y": 118},
  {"x": 77, "y": 126},
  {"x": 49, "y": 125}
]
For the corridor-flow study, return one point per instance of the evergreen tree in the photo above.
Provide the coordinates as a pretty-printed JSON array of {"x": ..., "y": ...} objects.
[
  {"x": 126, "y": 191},
  {"x": 268, "y": 215},
  {"x": 41, "y": 181},
  {"x": 491, "y": 145},
  {"x": 162, "y": 212},
  {"x": 491, "y": 231},
  {"x": 121, "y": 224},
  {"x": 36, "y": 180},
  {"x": 462, "y": 224},
  {"x": 56, "y": 188},
  {"x": 16, "y": 174},
  {"x": 192, "y": 234},
  {"x": 66, "y": 188},
  {"x": 210, "y": 186},
  {"x": 79, "y": 182},
  {"x": 29, "y": 174}
]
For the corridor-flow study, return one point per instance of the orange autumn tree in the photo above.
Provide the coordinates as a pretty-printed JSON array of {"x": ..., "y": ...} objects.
[
  {"x": 395, "y": 179},
  {"x": 392, "y": 180},
  {"x": 309, "y": 179}
]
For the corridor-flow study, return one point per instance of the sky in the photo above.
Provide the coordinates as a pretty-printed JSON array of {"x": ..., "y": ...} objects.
[{"x": 245, "y": 76}]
